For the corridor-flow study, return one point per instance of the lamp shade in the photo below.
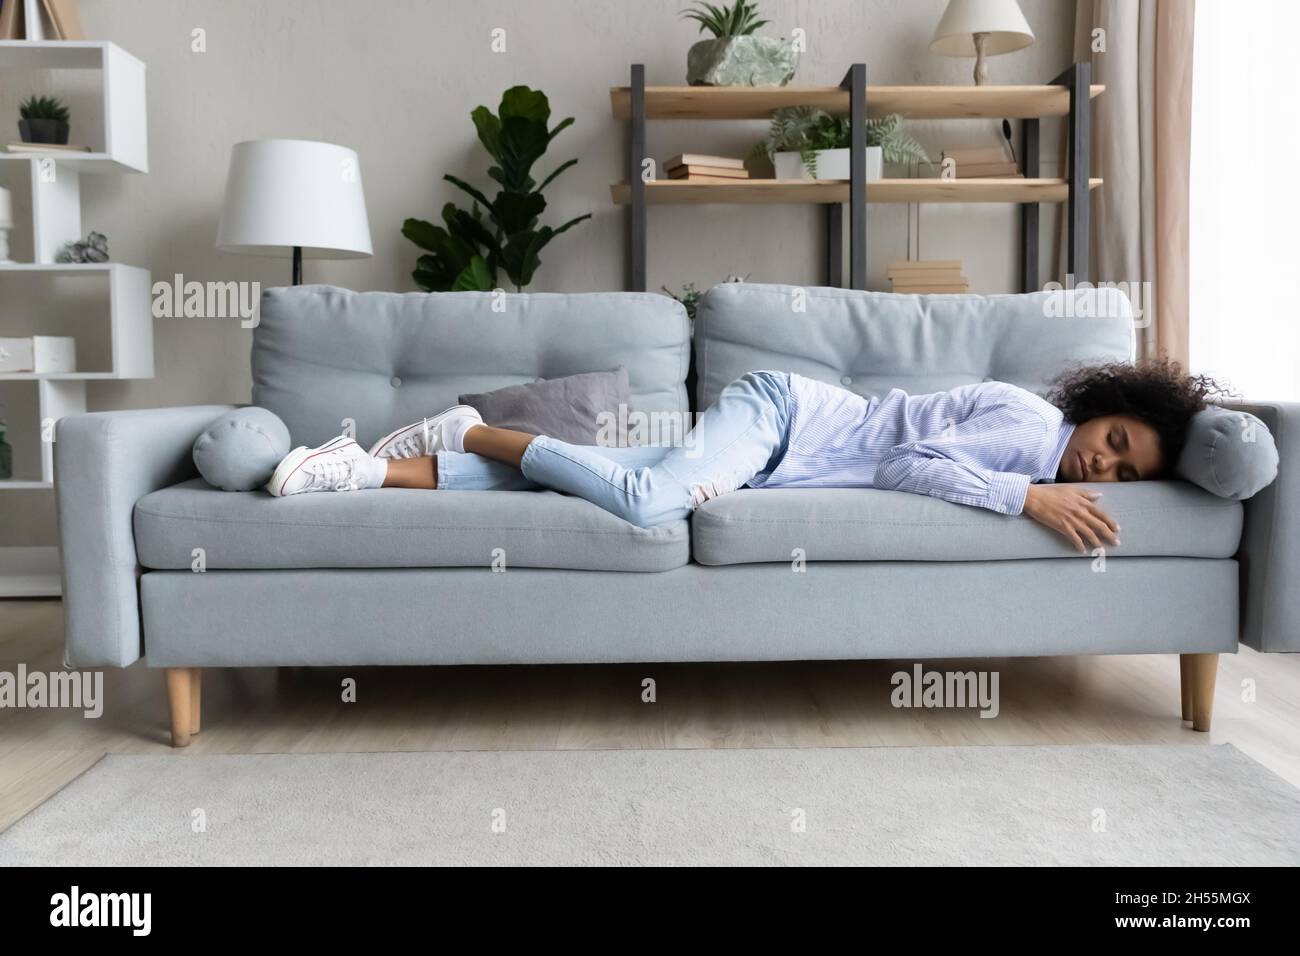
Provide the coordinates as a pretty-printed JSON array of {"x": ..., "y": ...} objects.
[
  {"x": 1006, "y": 26},
  {"x": 6, "y": 209},
  {"x": 282, "y": 193}
]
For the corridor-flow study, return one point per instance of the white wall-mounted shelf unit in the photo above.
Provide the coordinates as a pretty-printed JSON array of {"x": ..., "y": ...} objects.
[{"x": 119, "y": 145}]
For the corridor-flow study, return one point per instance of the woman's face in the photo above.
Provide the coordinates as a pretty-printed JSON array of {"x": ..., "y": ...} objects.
[{"x": 1112, "y": 448}]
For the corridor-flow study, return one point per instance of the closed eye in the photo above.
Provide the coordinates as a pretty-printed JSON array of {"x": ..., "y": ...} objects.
[{"x": 1119, "y": 441}]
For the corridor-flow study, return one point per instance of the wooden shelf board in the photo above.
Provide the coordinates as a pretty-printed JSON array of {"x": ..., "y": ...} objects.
[
  {"x": 913, "y": 102},
  {"x": 671, "y": 191}
]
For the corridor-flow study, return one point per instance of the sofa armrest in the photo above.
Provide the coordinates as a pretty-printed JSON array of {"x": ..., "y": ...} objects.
[
  {"x": 104, "y": 463},
  {"x": 1270, "y": 539}
]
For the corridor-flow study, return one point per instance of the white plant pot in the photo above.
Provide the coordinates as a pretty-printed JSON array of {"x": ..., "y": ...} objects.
[{"x": 831, "y": 164}]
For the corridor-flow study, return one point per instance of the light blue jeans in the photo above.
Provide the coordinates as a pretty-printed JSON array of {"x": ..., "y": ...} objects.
[{"x": 741, "y": 436}]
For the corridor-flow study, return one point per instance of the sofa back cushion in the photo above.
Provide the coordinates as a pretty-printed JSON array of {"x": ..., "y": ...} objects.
[
  {"x": 324, "y": 357},
  {"x": 870, "y": 342}
]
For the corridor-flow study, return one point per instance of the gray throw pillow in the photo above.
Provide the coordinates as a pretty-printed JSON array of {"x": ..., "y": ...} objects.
[
  {"x": 240, "y": 449},
  {"x": 1229, "y": 453},
  {"x": 568, "y": 408}
]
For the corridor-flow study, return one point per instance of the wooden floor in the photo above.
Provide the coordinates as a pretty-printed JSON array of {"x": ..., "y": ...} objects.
[{"x": 1071, "y": 700}]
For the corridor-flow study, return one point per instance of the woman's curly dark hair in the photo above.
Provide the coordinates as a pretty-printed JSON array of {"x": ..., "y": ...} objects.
[{"x": 1157, "y": 391}]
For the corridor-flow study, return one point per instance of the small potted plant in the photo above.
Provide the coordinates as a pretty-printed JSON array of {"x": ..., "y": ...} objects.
[
  {"x": 44, "y": 119},
  {"x": 690, "y": 296},
  {"x": 735, "y": 56},
  {"x": 806, "y": 143}
]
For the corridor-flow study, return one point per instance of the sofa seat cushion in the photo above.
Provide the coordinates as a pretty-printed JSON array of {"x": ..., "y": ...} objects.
[
  {"x": 395, "y": 528},
  {"x": 1156, "y": 518}
]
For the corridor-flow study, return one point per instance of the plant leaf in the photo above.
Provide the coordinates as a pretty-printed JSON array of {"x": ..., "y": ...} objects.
[
  {"x": 519, "y": 258},
  {"x": 571, "y": 222},
  {"x": 423, "y": 234},
  {"x": 516, "y": 212},
  {"x": 470, "y": 229},
  {"x": 497, "y": 173},
  {"x": 475, "y": 277},
  {"x": 461, "y": 184},
  {"x": 523, "y": 142},
  {"x": 559, "y": 169},
  {"x": 561, "y": 125},
  {"x": 489, "y": 130},
  {"x": 520, "y": 102}
]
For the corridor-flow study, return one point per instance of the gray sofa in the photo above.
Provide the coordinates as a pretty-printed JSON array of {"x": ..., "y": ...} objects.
[{"x": 406, "y": 577}]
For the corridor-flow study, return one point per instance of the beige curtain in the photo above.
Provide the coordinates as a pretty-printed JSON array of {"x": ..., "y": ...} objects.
[{"x": 1141, "y": 142}]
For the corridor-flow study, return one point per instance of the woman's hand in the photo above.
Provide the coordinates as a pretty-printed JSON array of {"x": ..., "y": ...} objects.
[{"x": 1072, "y": 512}]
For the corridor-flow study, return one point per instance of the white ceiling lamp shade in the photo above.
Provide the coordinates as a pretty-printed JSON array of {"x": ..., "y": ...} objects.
[
  {"x": 981, "y": 28},
  {"x": 292, "y": 197}
]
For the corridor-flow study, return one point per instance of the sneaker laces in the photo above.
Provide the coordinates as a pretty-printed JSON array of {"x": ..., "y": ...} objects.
[
  {"x": 336, "y": 474},
  {"x": 415, "y": 444}
]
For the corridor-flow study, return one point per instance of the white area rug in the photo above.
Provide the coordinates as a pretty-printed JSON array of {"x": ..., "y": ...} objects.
[{"x": 1166, "y": 804}]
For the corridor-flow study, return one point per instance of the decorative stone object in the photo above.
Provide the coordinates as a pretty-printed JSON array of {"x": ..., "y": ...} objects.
[
  {"x": 94, "y": 248},
  {"x": 741, "y": 61}
]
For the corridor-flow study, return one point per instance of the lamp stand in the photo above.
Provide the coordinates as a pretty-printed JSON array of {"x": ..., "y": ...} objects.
[
  {"x": 981, "y": 68},
  {"x": 297, "y": 265}
]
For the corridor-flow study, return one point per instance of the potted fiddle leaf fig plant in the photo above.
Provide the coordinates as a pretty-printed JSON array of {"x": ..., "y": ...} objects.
[
  {"x": 43, "y": 119},
  {"x": 500, "y": 234},
  {"x": 807, "y": 143},
  {"x": 735, "y": 56}
]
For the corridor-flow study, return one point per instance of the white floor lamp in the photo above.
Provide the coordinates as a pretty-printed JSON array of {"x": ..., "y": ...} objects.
[{"x": 292, "y": 197}]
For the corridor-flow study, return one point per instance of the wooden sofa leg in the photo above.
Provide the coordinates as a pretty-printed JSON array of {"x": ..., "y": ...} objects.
[
  {"x": 179, "y": 684},
  {"x": 196, "y": 686},
  {"x": 1198, "y": 674},
  {"x": 1185, "y": 674}
]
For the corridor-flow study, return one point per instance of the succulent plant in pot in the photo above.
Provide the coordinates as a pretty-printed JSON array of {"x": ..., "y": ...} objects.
[
  {"x": 43, "y": 119},
  {"x": 735, "y": 56},
  {"x": 807, "y": 143}
]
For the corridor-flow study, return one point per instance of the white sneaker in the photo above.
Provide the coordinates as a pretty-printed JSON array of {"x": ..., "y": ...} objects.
[
  {"x": 337, "y": 465},
  {"x": 426, "y": 436}
]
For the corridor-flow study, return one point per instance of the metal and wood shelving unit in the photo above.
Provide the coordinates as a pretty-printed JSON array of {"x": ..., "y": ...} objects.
[{"x": 1069, "y": 95}]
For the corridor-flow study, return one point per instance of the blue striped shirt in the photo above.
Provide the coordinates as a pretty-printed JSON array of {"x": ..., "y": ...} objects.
[{"x": 974, "y": 445}]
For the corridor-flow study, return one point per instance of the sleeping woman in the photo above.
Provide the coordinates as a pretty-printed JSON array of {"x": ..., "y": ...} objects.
[{"x": 989, "y": 445}]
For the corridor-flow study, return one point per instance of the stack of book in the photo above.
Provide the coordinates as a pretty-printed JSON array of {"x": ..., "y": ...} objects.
[
  {"x": 45, "y": 148},
  {"x": 989, "y": 163},
  {"x": 935, "y": 276},
  {"x": 699, "y": 168}
]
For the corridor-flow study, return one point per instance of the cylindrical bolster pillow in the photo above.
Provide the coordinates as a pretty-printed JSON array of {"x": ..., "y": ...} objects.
[
  {"x": 1229, "y": 453},
  {"x": 240, "y": 449}
]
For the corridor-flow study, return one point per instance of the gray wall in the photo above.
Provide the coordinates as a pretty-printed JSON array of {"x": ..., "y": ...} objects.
[{"x": 396, "y": 79}]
